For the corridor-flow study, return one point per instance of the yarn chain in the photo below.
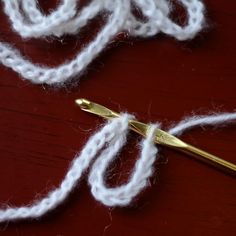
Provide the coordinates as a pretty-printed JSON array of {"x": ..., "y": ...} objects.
[
  {"x": 29, "y": 21},
  {"x": 105, "y": 144}
]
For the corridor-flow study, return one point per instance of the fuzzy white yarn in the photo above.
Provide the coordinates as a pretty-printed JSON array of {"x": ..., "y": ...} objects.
[
  {"x": 28, "y": 21},
  {"x": 106, "y": 143}
]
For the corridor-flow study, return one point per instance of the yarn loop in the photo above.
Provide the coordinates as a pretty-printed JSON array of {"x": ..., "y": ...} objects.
[{"x": 29, "y": 21}]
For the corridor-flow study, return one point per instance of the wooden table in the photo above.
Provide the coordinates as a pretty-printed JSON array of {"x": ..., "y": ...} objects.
[{"x": 159, "y": 80}]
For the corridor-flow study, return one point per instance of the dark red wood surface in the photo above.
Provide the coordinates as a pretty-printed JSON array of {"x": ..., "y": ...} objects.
[{"x": 159, "y": 80}]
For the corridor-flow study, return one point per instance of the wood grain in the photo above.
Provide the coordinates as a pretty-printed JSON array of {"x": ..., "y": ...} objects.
[{"x": 159, "y": 80}]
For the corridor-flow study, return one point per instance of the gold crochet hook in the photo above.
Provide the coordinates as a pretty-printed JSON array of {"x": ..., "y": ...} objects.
[{"x": 162, "y": 137}]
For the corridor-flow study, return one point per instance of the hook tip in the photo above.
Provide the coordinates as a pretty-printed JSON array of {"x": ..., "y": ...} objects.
[{"x": 83, "y": 103}]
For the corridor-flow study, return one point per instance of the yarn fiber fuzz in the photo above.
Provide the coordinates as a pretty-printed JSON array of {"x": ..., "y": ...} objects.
[
  {"x": 29, "y": 21},
  {"x": 105, "y": 145}
]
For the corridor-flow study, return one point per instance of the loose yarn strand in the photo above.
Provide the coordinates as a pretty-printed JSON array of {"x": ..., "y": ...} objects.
[
  {"x": 195, "y": 121},
  {"x": 106, "y": 144},
  {"x": 29, "y": 22}
]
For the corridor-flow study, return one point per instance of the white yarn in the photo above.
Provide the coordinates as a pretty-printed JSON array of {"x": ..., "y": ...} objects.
[
  {"x": 106, "y": 143},
  {"x": 123, "y": 194},
  {"x": 28, "y": 21}
]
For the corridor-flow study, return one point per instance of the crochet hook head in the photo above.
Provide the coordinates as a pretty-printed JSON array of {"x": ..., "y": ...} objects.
[
  {"x": 96, "y": 109},
  {"x": 162, "y": 137}
]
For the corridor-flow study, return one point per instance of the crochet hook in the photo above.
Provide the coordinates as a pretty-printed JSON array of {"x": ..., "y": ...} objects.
[{"x": 162, "y": 137}]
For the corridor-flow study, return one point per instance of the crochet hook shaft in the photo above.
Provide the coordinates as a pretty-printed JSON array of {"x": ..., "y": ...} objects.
[{"x": 162, "y": 137}]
